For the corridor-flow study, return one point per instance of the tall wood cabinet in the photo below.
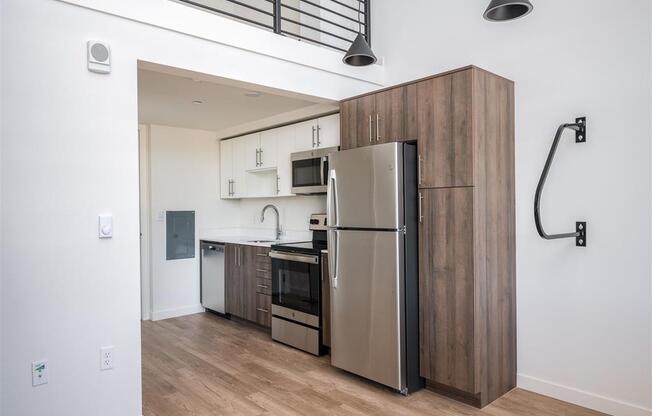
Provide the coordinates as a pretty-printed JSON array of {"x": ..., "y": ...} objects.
[{"x": 463, "y": 122}]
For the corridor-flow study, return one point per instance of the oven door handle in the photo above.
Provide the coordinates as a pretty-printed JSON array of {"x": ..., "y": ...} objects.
[{"x": 301, "y": 258}]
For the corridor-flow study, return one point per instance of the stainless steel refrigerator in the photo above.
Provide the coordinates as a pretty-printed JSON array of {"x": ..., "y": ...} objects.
[{"x": 373, "y": 255}]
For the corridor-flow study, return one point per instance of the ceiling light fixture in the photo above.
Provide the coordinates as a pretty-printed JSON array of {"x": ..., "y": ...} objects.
[
  {"x": 197, "y": 102},
  {"x": 504, "y": 10},
  {"x": 253, "y": 94},
  {"x": 359, "y": 53}
]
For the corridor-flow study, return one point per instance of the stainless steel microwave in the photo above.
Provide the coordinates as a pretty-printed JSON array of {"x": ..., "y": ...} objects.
[{"x": 310, "y": 171}]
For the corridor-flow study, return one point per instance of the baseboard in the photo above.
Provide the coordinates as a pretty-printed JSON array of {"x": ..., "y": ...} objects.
[
  {"x": 173, "y": 313},
  {"x": 581, "y": 398}
]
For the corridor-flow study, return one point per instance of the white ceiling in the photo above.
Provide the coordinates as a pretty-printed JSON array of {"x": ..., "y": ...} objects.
[{"x": 168, "y": 100}]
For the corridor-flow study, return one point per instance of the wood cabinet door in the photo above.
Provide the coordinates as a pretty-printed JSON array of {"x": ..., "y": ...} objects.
[
  {"x": 391, "y": 116},
  {"x": 446, "y": 287},
  {"x": 325, "y": 302},
  {"x": 366, "y": 120},
  {"x": 444, "y": 131},
  {"x": 348, "y": 124},
  {"x": 249, "y": 282},
  {"x": 232, "y": 280}
]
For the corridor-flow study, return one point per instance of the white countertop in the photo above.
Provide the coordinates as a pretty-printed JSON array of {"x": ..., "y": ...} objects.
[{"x": 250, "y": 241}]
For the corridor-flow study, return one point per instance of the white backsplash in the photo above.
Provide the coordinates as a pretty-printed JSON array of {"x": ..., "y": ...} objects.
[{"x": 294, "y": 215}]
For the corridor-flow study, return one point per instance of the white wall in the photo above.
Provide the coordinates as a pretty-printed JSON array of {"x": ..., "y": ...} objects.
[
  {"x": 69, "y": 153},
  {"x": 184, "y": 175},
  {"x": 583, "y": 314}
]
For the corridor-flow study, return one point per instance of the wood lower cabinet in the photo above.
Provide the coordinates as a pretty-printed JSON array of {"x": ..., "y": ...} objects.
[
  {"x": 463, "y": 122},
  {"x": 263, "y": 287},
  {"x": 233, "y": 299},
  {"x": 325, "y": 302},
  {"x": 248, "y": 283},
  {"x": 446, "y": 288}
]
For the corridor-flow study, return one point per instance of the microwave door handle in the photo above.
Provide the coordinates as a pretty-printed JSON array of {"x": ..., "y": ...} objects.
[{"x": 321, "y": 170}]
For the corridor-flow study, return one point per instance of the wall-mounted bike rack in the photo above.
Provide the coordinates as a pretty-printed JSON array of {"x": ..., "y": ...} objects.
[{"x": 580, "y": 227}]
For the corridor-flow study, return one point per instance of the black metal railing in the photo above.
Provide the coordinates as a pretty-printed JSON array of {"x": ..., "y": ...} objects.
[
  {"x": 580, "y": 226},
  {"x": 330, "y": 23}
]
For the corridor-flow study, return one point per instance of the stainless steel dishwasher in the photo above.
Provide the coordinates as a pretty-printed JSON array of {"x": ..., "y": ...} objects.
[{"x": 212, "y": 276}]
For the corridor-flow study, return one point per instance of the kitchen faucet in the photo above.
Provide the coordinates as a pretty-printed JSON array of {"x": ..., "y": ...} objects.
[{"x": 278, "y": 226}]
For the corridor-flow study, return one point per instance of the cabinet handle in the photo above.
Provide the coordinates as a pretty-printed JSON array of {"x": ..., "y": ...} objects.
[
  {"x": 420, "y": 207},
  {"x": 262, "y": 255},
  {"x": 263, "y": 286},
  {"x": 258, "y": 157},
  {"x": 233, "y": 187},
  {"x": 370, "y": 139},
  {"x": 262, "y": 310},
  {"x": 419, "y": 170},
  {"x": 318, "y": 130},
  {"x": 262, "y": 271},
  {"x": 261, "y": 157},
  {"x": 377, "y": 127},
  {"x": 313, "y": 136}
]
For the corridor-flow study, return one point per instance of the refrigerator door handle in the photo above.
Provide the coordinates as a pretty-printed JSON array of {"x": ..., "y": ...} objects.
[
  {"x": 332, "y": 258},
  {"x": 332, "y": 199}
]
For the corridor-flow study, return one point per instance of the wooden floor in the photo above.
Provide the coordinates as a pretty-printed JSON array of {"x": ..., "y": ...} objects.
[{"x": 206, "y": 365}]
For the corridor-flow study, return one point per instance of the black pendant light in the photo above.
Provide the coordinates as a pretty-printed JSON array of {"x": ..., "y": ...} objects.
[
  {"x": 359, "y": 53},
  {"x": 504, "y": 10}
]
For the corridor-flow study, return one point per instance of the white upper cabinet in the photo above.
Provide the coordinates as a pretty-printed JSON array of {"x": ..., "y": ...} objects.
[
  {"x": 261, "y": 150},
  {"x": 285, "y": 147},
  {"x": 318, "y": 133},
  {"x": 259, "y": 165},
  {"x": 268, "y": 148},
  {"x": 239, "y": 186},
  {"x": 328, "y": 131},
  {"x": 232, "y": 168},
  {"x": 226, "y": 168},
  {"x": 305, "y": 133},
  {"x": 253, "y": 150}
]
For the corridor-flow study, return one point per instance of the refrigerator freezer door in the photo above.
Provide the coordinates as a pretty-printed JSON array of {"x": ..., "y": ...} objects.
[
  {"x": 366, "y": 187},
  {"x": 367, "y": 325}
]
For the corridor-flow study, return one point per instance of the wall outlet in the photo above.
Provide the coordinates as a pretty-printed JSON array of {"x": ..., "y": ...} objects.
[
  {"x": 106, "y": 358},
  {"x": 40, "y": 372}
]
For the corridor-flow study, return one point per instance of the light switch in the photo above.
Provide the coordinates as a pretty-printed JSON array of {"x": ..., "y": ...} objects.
[
  {"x": 39, "y": 373},
  {"x": 105, "y": 229}
]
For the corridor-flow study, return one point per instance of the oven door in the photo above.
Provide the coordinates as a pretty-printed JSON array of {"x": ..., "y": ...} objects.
[{"x": 296, "y": 281}]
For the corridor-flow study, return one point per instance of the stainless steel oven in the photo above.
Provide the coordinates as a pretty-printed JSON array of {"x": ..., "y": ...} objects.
[
  {"x": 310, "y": 171},
  {"x": 296, "y": 290}
]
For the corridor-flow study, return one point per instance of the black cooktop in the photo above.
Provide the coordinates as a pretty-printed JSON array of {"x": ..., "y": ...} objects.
[
  {"x": 304, "y": 247},
  {"x": 315, "y": 246}
]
